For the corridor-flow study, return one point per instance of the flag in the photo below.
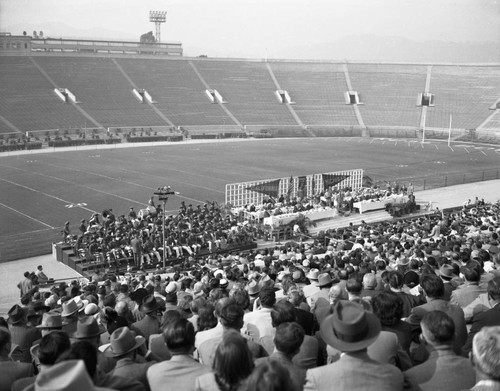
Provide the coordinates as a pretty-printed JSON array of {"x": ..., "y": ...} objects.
[
  {"x": 302, "y": 186},
  {"x": 290, "y": 187},
  {"x": 333, "y": 179},
  {"x": 270, "y": 188}
]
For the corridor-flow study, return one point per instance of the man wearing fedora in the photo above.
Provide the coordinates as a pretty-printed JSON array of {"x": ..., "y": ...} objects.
[
  {"x": 446, "y": 272},
  {"x": 150, "y": 324},
  {"x": 324, "y": 284},
  {"x": 123, "y": 347},
  {"x": 69, "y": 313},
  {"x": 10, "y": 370},
  {"x": 312, "y": 288},
  {"x": 350, "y": 329},
  {"x": 22, "y": 335},
  {"x": 87, "y": 329}
]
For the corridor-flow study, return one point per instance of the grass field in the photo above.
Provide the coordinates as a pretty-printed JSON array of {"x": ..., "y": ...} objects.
[{"x": 39, "y": 192}]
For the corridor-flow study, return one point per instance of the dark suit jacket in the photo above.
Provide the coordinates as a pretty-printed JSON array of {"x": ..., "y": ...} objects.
[
  {"x": 480, "y": 320},
  {"x": 11, "y": 371},
  {"x": 306, "y": 320},
  {"x": 128, "y": 368},
  {"x": 297, "y": 374},
  {"x": 147, "y": 327}
]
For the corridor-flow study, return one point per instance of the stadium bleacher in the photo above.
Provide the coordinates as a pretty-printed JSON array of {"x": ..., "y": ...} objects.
[
  {"x": 388, "y": 93},
  {"x": 318, "y": 92},
  {"x": 177, "y": 89},
  {"x": 464, "y": 92},
  {"x": 28, "y": 100},
  {"x": 103, "y": 86},
  {"x": 248, "y": 89},
  {"x": 104, "y": 93}
]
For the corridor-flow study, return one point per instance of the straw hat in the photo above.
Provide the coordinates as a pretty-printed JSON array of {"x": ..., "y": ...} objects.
[
  {"x": 70, "y": 307},
  {"x": 313, "y": 274}
]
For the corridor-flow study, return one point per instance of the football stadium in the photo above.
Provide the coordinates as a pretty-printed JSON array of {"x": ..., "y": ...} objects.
[{"x": 167, "y": 207}]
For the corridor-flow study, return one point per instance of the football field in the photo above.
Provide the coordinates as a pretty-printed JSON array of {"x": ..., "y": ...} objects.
[{"x": 39, "y": 192}]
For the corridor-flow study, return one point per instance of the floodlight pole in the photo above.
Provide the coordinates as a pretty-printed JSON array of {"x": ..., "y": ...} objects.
[
  {"x": 158, "y": 17},
  {"x": 163, "y": 193}
]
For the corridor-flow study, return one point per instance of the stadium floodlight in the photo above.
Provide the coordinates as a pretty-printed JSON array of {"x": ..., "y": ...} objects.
[
  {"x": 163, "y": 192},
  {"x": 158, "y": 17}
]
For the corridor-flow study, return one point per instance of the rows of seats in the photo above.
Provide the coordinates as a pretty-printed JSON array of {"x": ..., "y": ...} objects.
[
  {"x": 178, "y": 90},
  {"x": 103, "y": 91},
  {"x": 318, "y": 92},
  {"x": 464, "y": 92},
  {"x": 28, "y": 100},
  {"x": 388, "y": 93},
  {"x": 248, "y": 89}
]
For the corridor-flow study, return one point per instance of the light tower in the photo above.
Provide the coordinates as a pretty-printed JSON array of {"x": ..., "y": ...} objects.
[{"x": 158, "y": 17}]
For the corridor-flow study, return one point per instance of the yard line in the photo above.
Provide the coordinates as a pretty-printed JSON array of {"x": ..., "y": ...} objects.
[
  {"x": 436, "y": 147},
  {"x": 43, "y": 193},
  {"x": 72, "y": 183},
  {"x": 484, "y": 153},
  {"x": 25, "y": 215},
  {"x": 451, "y": 148},
  {"x": 150, "y": 175}
]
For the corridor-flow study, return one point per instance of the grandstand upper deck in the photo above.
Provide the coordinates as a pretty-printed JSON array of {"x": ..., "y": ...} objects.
[
  {"x": 388, "y": 93},
  {"x": 318, "y": 92},
  {"x": 249, "y": 90},
  {"x": 465, "y": 92},
  {"x": 103, "y": 85},
  {"x": 177, "y": 89},
  {"x": 28, "y": 101},
  {"x": 104, "y": 93}
]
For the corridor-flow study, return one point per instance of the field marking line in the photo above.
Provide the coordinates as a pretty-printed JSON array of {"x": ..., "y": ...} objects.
[
  {"x": 436, "y": 147},
  {"x": 29, "y": 217},
  {"x": 451, "y": 148},
  {"x": 153, "y": 176},
  {"x": 43, "y": 193},
  {"x": 29, "y": 232},
  {"x": 484, "y": 153},
  {"x": 71, "y": 183}
]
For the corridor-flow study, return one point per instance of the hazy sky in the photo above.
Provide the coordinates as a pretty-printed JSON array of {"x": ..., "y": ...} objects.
[{"x": 251, "y": 28}]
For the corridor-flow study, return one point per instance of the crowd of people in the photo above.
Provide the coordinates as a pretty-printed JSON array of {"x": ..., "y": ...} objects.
[
  {"x": 397, "y": 305},
  {"x": 139, "y": 239}
]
